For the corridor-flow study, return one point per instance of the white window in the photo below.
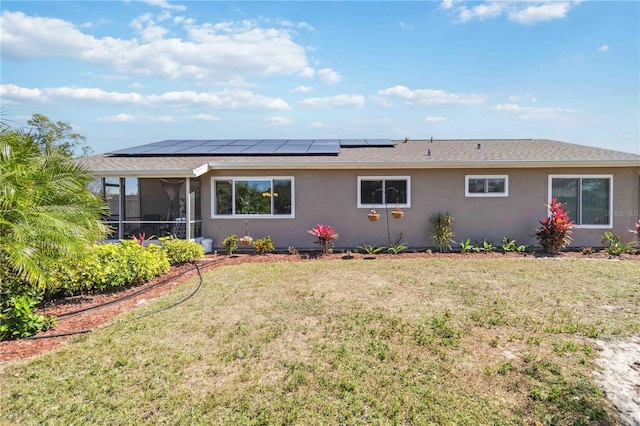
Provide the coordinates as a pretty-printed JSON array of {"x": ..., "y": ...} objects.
[
  {"x": 253, "y": 197},
  {"x": 486, "y": 186},
  {"x": 587, "y": 198},
  {"x": 394, "y": 191}
]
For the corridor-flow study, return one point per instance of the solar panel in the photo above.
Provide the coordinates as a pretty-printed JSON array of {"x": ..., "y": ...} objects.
[
  {"x": 380, "y": 142},
  {"x": 245, "y": 142},
  {"x": 295, "y": 149},
  {"x": 324, "y": 149},
  {"x": 260, "y": 149},
  {"x": 251, "y": 146},
  {"x": 211, "y": 149},
  {"x": 353, "y": 142}
]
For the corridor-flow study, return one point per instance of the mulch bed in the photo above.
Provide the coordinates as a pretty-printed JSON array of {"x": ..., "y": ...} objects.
[{"x": 25, "y": 348}]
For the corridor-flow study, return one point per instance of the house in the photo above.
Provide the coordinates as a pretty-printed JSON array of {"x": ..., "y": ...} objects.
[{"x": 282, "y": 188}]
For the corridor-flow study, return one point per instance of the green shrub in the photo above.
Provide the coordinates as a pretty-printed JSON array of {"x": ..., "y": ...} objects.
[
  {"x": 442, "y": 233},
  {"x": 466, "y": 246},
  {"x": 18, "y": 319},
  {"x": 230, "y": 243},
  {"x": 613, "y": 245},
  {"x": 371, "y": 249},
  {"x": 109, "y": 267},
  {"x": 181, "y": 251},
  {"x": 263, "y": 245}
]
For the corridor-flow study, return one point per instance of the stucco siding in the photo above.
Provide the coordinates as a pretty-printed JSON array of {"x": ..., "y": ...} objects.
[{"x": 330, "y": 197}]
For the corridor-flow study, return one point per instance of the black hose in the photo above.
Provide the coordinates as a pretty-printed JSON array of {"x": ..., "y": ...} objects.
[
  {"x": 74, "y": 333},
  {"x": 129, "y": 296}
]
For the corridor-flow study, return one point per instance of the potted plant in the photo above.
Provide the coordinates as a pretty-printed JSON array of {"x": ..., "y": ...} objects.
[
  {"x": 397, "y": 213},
  {"x": 373, "y": 215},
  {"x": 246, "y": 240}
]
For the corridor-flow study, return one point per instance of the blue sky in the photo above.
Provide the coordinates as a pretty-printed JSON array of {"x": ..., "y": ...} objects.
[{"x": 133, "y": 72}]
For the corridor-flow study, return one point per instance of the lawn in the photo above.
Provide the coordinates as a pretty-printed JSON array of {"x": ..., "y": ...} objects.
[{"x": 387, "y": 341}]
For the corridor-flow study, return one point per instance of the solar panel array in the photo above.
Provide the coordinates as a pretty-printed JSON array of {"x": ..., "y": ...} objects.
[{"x": 251, "y": 147}]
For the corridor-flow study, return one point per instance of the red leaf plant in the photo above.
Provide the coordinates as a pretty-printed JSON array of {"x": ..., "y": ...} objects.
[
  {"x": 636, "y": 231},
  {"x": 555, "y": 232},
  {"x": 325, "y": 235}
]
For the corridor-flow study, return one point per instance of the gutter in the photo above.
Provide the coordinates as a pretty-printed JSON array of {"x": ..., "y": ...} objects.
[{"x": 350, "y": 165}]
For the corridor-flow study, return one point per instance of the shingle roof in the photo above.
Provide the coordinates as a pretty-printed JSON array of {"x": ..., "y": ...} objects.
[{"x": 412, "y": 154}]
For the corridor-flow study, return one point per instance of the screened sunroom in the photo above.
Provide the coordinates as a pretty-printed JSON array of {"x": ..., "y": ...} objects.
[{"x": 153, "y": 207}]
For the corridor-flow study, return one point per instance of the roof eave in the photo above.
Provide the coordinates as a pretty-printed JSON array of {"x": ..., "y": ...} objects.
[
  {"x": 164, "y": 173},
  {"x": 420, "y": 164}
]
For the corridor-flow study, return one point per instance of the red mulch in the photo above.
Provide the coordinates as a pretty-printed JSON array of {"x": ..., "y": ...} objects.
[{"x": 25, "y": 348}]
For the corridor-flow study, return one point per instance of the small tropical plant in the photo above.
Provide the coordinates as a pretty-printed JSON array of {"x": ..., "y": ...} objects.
[
  {"x": 442, "y": 233},
  {"x": 508, "y": 245},
  {"x": 230, "y": 243},
  {"x": 488, "y": 247},
  {"x": 587, "y": 251},
  {"x": 614, "y": 246},
  {"x": 292, "y": 250},
  {"x": 371, "y": 249},
  {"x": 325, "y": 235},
  {"x": 466, "y": 246},
  {"x": 263, "y": 245},
  {"x": 142, "y": 238},
  {"x": 555, "y": 232},
  {"x": 398, "y": 246}
]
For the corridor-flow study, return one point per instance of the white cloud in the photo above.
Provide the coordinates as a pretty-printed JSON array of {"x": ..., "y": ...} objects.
[
  {"x": 382, "y": 101},
  {"x": 540, "y": 12},
  {"x": 527, "y": 97},
  {"x": 534, "y": 113},
  {"x": 432, "y": 97},
  {"x": 523, "y": 12},
  {"x": 434, "y": 119},
  {"x": 210, "y": 52},
  {"x": 205, "y": 117},
  {"x": 278, "y": 121},
  {"x": 126, "y": 118},
  {"x": 505, "y": 107},
  {"x": 163, "y": 4},
  {"x": 329, "y": 76},
  {"x": 302, "y": 89},
  {"x": 446, "y": 4},
  {"x": 224, "y": 99},
  {"x": 118, "y": 118},
  {"x": 603, "y": 48},
  {"x": 316, "y": 125},
  {"x": 481, "y": 11},
  {"x": 338, "y": 101}
]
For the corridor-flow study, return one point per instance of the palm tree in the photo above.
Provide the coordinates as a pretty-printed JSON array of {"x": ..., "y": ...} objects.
[{"x": 47, "y": 214}]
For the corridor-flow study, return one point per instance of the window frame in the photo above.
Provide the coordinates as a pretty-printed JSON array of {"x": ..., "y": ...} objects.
[
  {"x": 233, "y": 180},
  {"x": 580, "y": 177},
  {"x": 362, "y": 205},
  {"x": 486, "y": 194}
]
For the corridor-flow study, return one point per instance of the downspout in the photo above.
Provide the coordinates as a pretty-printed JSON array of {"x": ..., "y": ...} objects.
[
  {"x": 187, "y": 201},
  {"x": 121, "y": 208}
]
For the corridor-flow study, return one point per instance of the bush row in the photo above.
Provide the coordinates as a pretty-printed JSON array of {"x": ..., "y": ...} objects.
[
  {"x": 112, "y": 266},
  {"x": 106, "y": 268}
]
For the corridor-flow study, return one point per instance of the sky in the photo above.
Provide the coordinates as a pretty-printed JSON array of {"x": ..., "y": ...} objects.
[{"x": 126, "y": 73}]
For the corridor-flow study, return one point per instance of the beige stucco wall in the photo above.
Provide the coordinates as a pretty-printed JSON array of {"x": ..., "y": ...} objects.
[{"x": 330, "y": 197}]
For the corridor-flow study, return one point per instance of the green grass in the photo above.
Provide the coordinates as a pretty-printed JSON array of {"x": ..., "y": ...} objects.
[{"x": 401, "y": 341}]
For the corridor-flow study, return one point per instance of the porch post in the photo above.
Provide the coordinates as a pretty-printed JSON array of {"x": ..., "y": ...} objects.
[{"x": 188, "y": 207}]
